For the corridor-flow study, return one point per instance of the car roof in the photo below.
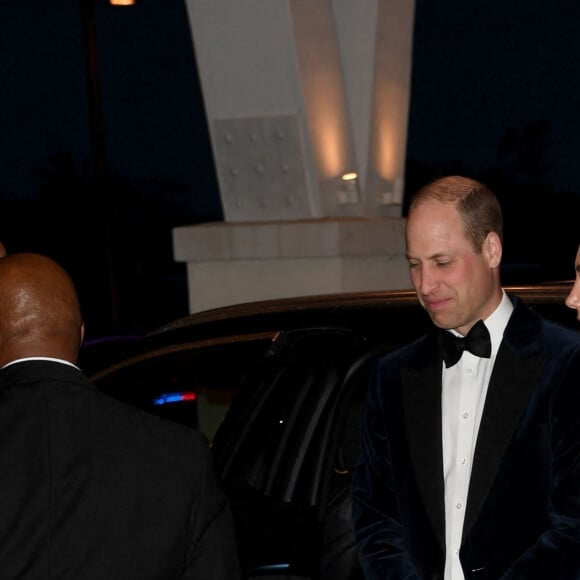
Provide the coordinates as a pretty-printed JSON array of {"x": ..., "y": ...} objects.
[{"x": 371, "y": 313}]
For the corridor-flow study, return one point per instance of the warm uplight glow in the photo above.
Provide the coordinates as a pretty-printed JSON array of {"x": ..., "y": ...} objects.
[
  {"x": 391, "y": 90},
  {"x": 325, "y": 100},
  {"x": 349, "y": 176},
  {"x": 390, "y": 130},
  {"x": 122, "y": 2}
]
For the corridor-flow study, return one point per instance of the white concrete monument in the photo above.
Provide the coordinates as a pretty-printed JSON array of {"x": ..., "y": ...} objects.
[{"x": 307, "y": 104}]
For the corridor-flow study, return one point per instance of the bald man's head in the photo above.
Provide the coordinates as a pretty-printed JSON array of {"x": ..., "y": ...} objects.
[{"x": 39, "y": 309}]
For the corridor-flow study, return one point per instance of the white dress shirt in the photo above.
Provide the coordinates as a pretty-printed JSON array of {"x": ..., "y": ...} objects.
[{"x": 463, "y": 397}]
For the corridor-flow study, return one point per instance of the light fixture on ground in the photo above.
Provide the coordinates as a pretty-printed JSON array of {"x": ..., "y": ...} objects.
[
  {"x": 348, "y": 191},
  {"x": 391, "y": 191}
]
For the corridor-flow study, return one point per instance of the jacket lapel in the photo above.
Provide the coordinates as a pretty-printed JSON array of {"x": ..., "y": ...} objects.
[
  {"x": 517, "y": 366},
  {"x": 421, "y": 396}
]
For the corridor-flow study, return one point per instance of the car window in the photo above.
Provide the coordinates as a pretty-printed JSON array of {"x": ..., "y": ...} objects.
[{"x": 188, "y": 383}]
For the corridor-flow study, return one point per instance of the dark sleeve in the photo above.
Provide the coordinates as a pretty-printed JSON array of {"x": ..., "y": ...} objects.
[
  {"x": 556, "y": 553},
  {"x": 379, "y": 532},
  {"x": 213, "y": 551}
]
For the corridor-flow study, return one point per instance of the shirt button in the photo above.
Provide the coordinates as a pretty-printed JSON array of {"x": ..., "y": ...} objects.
[
  {"x": 458, "y": 506},
  {"x": 469, "y": 371},
  {"x": 465, "y": 415},
  {"x": 463, "y": 461}
]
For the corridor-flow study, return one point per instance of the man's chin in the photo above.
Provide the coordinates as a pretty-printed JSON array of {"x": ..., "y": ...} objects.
[{"x": 440, "y": 320}]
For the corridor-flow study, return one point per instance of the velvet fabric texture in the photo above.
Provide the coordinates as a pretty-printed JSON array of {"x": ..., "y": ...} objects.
[
  {"x": 522, "y": 516},
  {"x": 91, "y": 489}
]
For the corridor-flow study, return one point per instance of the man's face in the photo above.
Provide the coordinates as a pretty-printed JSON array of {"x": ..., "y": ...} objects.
[
  {"x": 455, "y": 285},
  {"x": 573, "y": 299}
]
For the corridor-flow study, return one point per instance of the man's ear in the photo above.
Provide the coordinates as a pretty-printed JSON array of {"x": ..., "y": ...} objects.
[
  {"x": 492, "y": 249},
  {"x": 82, "y": 333}
]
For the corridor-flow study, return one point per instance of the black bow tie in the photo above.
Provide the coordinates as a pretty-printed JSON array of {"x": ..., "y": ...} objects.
[{"x": 476, "y": 341}]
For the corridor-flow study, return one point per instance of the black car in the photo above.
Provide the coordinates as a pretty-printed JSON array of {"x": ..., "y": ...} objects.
[{"x": 278, "y": 386}]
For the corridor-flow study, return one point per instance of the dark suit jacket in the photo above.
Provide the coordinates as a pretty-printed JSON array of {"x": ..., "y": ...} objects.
[
  {"x": 523, "y": 511},
  {"x": 91, "y": 489}
]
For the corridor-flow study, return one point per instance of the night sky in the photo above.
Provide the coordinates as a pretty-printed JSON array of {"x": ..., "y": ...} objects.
[
  {"x": 154, "y": 122},
  {"x": 487, "y": 68},
  {"x": 159, "y": 164},
  {"x": 495, "y": 95}
]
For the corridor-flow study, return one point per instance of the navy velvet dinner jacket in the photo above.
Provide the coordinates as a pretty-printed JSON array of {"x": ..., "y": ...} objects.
[
  {"x": 522, "y": 516},
  {"x": 91, "y": 489}
]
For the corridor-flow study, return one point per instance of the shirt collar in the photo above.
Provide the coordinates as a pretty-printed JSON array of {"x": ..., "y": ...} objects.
[
  {"x": 498, "y": 320},
  {"x": 57, "y": 360}
]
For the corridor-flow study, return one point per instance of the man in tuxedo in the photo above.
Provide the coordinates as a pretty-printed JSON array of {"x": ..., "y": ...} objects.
[
  {"x": 90, "y": 488},
  {"x": 573, "y": 298},
  {"x": 470, "y": 463}
]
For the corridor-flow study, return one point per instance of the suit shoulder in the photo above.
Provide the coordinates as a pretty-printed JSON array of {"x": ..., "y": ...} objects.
[
  {"x": 408, "y": 352},
  {"x": 116, "y": 415},
  {"x": 528, "y": 329},
  {"x": 558, "y": 331},
  {"x": 560, "y": 338}
]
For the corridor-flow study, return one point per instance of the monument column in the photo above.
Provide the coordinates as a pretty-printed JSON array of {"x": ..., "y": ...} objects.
[{"x": 300, "y": 96}]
